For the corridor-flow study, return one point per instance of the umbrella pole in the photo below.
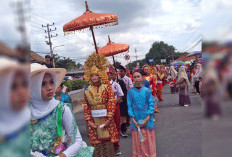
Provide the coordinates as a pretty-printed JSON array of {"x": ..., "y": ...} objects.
[
  {"x": 114, "y": 64},
  {"x": 91, "y": 28}
]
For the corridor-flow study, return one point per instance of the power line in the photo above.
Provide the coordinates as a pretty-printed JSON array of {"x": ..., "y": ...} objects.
[{"x": 39, "y": 17}]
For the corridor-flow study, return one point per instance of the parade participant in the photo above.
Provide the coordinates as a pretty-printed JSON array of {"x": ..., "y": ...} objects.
[
  {"x": 126, "y": 79},
  {"x": 14, "y": 113},
  {"x": 62, "y": 97},
  {"x": 118, "y": 94},
  {"x": 183, "y": 83},
  {"x": 141, "y": 108},
  {"x": 210, "y": 91},
  {"x": 49, "y": 61},
  {"x": 50, "y": 116},
  {"x": 99, "y": 107},
  {"x": 168, "y": 71},
  {"x": 128, "y": 82},
  {"x": 196, "y": 77},
  {"x": 191, "y": 74},
  {"x": 144, "y": 82},
  {"x": 174, "y": 75},
  {"x": 153, "y": 82},
  {"x": 154, "y": 71},
  {"x": 172, "y": 84},
  {"x": 123, "y": 104},
  {"x": 161, "y": 75}
]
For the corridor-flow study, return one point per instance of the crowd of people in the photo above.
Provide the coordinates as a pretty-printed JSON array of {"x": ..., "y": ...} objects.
[{"x": 116, "y": 100}]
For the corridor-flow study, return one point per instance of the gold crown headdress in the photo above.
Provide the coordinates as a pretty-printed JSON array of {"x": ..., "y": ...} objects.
[
  {"x": 96, "y": 64},
  {"x": 146, "y": 65}
]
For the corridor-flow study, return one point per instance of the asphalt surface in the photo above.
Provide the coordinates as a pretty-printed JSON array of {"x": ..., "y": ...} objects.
[{"x": 178, "y": 129}]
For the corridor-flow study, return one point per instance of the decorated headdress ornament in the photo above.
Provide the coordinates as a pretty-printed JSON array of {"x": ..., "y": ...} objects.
[
  {"x": 146, "y": 65},
  {"x": 96, "y": 64}
]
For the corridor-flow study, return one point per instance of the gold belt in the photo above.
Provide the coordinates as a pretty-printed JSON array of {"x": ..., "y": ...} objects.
[{"x": 97, "y": 107}]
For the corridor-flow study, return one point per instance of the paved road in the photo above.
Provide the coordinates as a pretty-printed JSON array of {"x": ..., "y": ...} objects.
[{"x": 177, "y": 128}]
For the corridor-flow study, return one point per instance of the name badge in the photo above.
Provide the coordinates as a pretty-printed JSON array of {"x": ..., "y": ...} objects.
[
  {"x": 159, "y": 81},
  {"x": 99, "y": 113}
]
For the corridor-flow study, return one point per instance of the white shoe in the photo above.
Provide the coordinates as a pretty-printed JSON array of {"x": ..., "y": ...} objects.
[{"x": 187, "y": 105}]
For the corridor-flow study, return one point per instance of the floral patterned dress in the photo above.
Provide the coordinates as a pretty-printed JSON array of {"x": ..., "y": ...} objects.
[
  {"x": 44, "y": 135},
  {"x": 17, "y": 144}
]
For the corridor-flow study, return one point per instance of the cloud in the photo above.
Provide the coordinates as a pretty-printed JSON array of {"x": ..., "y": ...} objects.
[{"x": 140, "y": 24}]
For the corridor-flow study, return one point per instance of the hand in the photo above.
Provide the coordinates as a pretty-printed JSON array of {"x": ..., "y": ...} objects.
[
  {"x": 107, "y": 123},
  {"x": 62, "y": 155},
  {"x": 94, "y": 126},
  {"x": 145, "y": 121},
  {"x": 136, "y": 124}
]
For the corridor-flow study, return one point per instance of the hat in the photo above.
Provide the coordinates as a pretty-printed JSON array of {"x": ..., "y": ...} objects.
[
  {"x": 8, "y": 64},
  {"x": 60, "y": 72}
]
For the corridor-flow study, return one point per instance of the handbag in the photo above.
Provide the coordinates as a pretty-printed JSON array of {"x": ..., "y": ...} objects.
[
  {"x": 59, "y": 145},
  {"x": 182, "y": 85}
]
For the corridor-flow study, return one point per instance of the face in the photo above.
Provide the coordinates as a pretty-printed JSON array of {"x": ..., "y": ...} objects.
[
  {"x": 162, "y": 69},
  {"x": 48, "y": 87},
  {"x": 20, "y": 92},
  {"x": 146, "y": 70},
  {"x": 47, "y": 59},
  {"x": 137, "y": 77},
  {"x": 122, "y": 73},
  {"x": 95, "y": 78}
]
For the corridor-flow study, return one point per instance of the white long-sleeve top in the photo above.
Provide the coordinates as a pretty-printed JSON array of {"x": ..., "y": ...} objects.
[
  {"x": 67, "y": 119},
  {"x": 127, "y": 81},
  {"x": 117, "y": 89}
]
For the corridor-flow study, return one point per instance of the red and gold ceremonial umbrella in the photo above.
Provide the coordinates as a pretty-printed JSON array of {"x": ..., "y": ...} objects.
[
  {"x": 89, "y": 20},
  {"x": 112, "y": 49}
]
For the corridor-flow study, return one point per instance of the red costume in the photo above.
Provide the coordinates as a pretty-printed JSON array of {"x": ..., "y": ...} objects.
[
  {"x": 159, "y": 87},
  {"x": 152, "y": 80}
]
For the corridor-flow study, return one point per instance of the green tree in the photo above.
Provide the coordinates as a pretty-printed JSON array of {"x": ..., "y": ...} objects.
[
  {"x": 159, "y": 50},
  {"x": 66, "y": 63}
]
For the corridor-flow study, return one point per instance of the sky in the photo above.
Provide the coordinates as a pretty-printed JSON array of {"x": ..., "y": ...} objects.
[{"x": 176, "y": 22}]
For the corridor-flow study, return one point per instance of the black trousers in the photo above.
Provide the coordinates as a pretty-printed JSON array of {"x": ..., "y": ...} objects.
[{"x": 197, "y": 86}]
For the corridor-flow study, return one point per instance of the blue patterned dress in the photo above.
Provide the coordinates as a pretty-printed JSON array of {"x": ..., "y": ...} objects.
[{"x": 140, "y": 104}]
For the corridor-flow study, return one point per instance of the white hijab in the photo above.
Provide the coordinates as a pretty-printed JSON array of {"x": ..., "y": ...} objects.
[
  {"x": 11, "y": 120},
  {"x": 39, "y": 107},
  {"x": 174, "y": 73}
]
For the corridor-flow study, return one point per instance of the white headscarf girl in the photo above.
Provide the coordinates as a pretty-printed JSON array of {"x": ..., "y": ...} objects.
[{"x": 11, "y": 120}]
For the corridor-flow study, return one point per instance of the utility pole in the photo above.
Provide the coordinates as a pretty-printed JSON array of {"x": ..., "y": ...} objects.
[
  {"x": 136, "y": 56},
  {"x": 49, "y": 30},
  {"x": 22, "y": 15},
  {"x": 22, "y": 19}
]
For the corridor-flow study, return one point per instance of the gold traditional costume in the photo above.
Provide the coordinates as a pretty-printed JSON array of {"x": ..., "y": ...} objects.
[{"x": 100, "y": 106}]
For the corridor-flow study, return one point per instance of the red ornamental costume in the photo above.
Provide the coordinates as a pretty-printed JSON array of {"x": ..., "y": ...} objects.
[
  {"x": 159, "y": 87},
  {"x": 98, "y": 98},
  {"x": 172, "y": 84},
  {"x": 99, "y": 107},
  {"x": 153, "y": 81}
]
